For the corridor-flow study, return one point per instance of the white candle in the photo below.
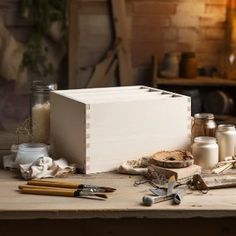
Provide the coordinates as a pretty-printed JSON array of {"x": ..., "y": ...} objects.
[{"x": 41, "y": 122}]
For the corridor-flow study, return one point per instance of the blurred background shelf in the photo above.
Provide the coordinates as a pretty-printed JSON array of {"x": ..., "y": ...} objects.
[
  {"x": 222, "y": 119},
  {"x": 199, "y": 81}
]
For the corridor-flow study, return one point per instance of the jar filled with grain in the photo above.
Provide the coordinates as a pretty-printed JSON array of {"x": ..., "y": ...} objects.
[
  {"x": 40, "y": 111},
  {"x": 203, "y": 125},
  {"x": 188, "y": 65}
]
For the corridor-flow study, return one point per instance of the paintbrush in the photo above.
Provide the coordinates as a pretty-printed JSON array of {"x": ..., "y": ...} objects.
[
  {"x": 71, "y": 185},
  {"x": 43, "y": 190}
]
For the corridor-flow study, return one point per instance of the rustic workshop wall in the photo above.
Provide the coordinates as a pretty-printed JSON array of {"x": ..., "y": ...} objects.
[
  {"x": 14, "y": 104},
  {"x": 15, "y": 32},
  {"x": 91, "y": 36},
  {"x": 155, "y": 27},
  {"x": 160, "y": 26}
]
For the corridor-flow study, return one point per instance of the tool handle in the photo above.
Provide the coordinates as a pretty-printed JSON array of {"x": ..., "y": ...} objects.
[
  {"x": 42, "y": 187},
  {"x": 52, "y": 192},
  {"x": 58, "y": 184},
  {"x": 150, "y": 200}
]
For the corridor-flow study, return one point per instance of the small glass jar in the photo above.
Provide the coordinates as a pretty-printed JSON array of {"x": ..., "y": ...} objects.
[
  {"x": 170, "y": 65},
  {"x": 40, "y": 111},
  {"x": 30, "y": 152},
  {"x": 203, "y": 125},
  {"x": 205, "y": 152},
  {"x": 188, "y": 65},
  {"x": 226, "y": 138}
]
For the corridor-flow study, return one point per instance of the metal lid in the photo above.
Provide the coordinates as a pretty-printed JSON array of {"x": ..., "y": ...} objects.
[
  {"x": 205, "y": 139},
  {"x": 32, "y": 147},
  {"x": 43, "y": 87},
  {"x": 204, "y": 116},
  {"x": 226, "y": 127}
]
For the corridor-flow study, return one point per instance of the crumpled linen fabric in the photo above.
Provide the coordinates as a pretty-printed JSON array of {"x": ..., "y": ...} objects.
[
  {"x": 46, "y": 167},
  {"x": 135, "y": 167}
]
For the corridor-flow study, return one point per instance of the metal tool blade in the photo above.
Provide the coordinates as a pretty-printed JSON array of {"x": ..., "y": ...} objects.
[
  {"x": 158, "y": 191},
  {"x": 96, "y": 189},
  {"x": 85, "y": 193},
  {"x": 170, "y": 185}
]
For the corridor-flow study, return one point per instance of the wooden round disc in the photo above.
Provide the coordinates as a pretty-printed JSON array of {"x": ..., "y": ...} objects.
[{"x": 172, "y": 159}]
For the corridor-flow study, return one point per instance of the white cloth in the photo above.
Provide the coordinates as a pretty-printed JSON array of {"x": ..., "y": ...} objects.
[
  {"x": 134, "y": 167},
  {"x": 45, "y": 167}
]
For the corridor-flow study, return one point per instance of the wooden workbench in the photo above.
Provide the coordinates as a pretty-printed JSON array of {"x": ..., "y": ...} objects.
[{"x": 124, "y": 205}]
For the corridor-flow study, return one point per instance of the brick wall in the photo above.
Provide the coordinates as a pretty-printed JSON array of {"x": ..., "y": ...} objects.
[{"x": 159, "y": 26}]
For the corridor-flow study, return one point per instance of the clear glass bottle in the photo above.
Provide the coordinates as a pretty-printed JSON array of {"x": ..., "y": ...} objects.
[
  {"x": 40, "y": 111},
  {"x": 203, "y": 125}
]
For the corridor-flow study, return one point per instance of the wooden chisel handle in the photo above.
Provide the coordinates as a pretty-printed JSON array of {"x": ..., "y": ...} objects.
[
  {"x": 53, "y": 184},
  {"x": 52, "y": 192},
  {"x": 42, "y": 190},
  {"x": 42, "y": 187}
]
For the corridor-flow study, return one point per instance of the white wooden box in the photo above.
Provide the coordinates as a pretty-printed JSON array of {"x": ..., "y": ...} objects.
[{"x": 100, "y": 128}]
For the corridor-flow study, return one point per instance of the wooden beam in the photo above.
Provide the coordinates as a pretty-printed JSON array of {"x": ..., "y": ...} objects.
[
  {"x": 121, "y": 29},
  {"x": 105, "y": 70},
  {"x": 73, "y": 14}
]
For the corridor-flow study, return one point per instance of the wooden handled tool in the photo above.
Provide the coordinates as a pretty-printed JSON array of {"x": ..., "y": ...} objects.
[
  {"x": 42, "y": 187},
  {"x": 49, "y": 183},
  {"x": 52, "y": 192},
  {"x": 70, "y": 185},
  {"x": 42, "y": 190}
]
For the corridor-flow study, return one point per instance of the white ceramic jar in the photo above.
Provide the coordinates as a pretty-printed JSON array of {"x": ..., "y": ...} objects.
[
  {"x": 205, "y": 152},
  {"x": 226, "y": 138},
  {"x": 30, "y": 152}
]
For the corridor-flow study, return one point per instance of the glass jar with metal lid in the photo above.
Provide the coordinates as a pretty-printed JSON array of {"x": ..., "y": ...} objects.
[
  {"x": 40, "y": 111},
  {"x": 30, "y": 152},
  {"x": 205, "y": 152},
  {"x": 203, "y": 125},
  {"x": 226, "y": 138}
]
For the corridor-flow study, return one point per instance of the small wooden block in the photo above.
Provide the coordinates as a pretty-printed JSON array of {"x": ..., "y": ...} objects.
[{"x": 179, "y": 173}]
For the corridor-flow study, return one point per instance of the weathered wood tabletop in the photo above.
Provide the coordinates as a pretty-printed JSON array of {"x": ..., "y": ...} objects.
[{"x": 125, "y": 202}]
